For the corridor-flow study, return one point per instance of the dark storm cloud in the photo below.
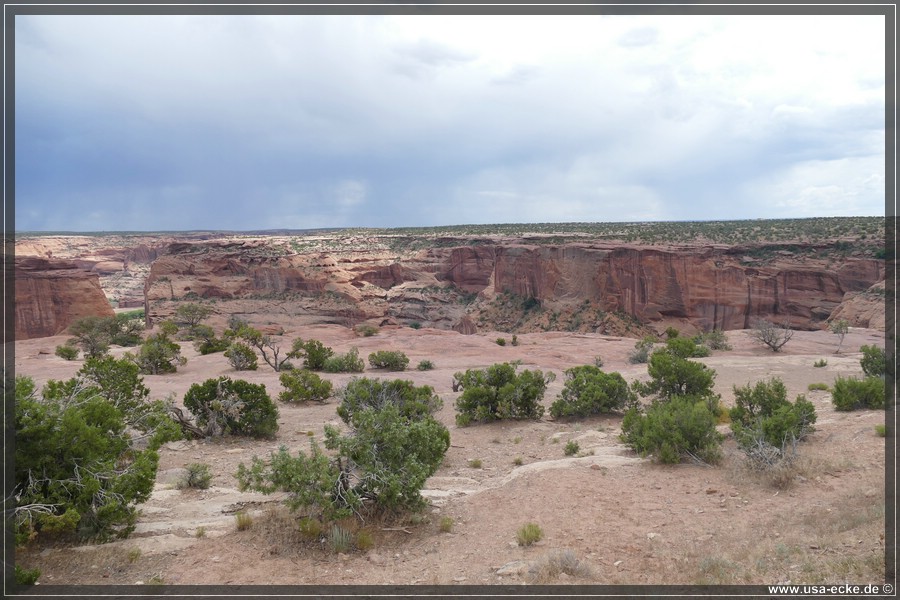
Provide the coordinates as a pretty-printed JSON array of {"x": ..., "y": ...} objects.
[{"x": 264, "y": 122}]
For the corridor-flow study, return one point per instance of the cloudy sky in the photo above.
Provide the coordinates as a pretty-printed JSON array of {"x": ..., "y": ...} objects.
[{"x": 258, "y": 122}]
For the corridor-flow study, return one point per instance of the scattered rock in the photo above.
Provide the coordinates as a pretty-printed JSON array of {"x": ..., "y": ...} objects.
[{"x": 516, "y": 567}]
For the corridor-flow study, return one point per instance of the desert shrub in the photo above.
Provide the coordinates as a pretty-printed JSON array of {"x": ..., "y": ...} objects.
[
  {"x": 671, "y": 375},
  {"x": 389, "y": 359},
  {"x": 157, "y": 355},
  {"x": 589, "y": 391},
  {"x": 674, "y": 429},
  {"x": 714, "y": 340},
  {"x": 243, "y": 521},
  {"x": 685, "y": 348},
  {"x": 415, "y": 325},
  {"x": 27, "y": 576},
  {"x": 598, "y": 362},
  {"x": 191, "y": 314},
  {"x": 671, "y": 333},
  {"x": 501, "y": 341},
  {"x": 641, "y": 351},
  {"x": 446, "y": 525},
  {"x": 817, "y": 387},
  {"x": 362, "y": 393},
  {"x": 241, "y": 357},
  {"x": 874, "y": 361},
  {"x": 820, "y": 363},
  {"x": 393, "y": 444},
  {"x": 77, "y": 466},
  {"x": 313, "y": 352},
  {"x": 231, "y": 406},
  {"x": 339, "y": 539},
  {"x": 345, "y": 363},
  {"x": 515, "y": 340},
  {"x": 425, "y": 365},
  {"x": 550, "y": 566},
  {"x": 267, "y": 346},
  {"x": 475, "y": 463},
  {"x": 366, "y": 330},
  {"x": 528, "y": 534},
  {"x": 206, "y": 342},
  {"x": 572, "y": 448},
  {"x": 840, "y": 328},
  {"x": 881, "y": 430},
  {"x": 304, "y": 386},
  {"x": 364, "y": 540},
  {"x": 92, "y": 335},
  {"x": 310, "y": 481},
  {"x": 851, "y": 393},
  {"x": 764, "y": 413},
  {"x": 198, "y": 476},
  {"x": 67, "y": 351},
  {"x": 771, "y": 335},
  {"x": 499, "y": 393}
]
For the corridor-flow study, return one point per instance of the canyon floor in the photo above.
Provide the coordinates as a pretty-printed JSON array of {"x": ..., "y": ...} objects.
[{"x": 625, "y": 520}]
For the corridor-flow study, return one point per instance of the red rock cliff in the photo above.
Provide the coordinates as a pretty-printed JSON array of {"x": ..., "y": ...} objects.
[
  {"x": 52, "y": 294},
  {"x": 721, "y": 287}
]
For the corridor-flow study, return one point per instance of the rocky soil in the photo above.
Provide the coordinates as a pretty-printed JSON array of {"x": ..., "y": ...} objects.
[{"x": 609, "y": 515}]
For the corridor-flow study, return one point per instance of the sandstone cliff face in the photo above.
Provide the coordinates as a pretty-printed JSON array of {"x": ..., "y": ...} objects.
[
  {"x": 863, "y": 309},
  {"x": 710, "y": 287},
  {"x": 52, "y": 294}
]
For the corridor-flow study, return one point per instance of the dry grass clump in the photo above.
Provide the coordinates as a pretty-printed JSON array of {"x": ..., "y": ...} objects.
[
  {"x": 529, "y": 533},
  {"x": 549, "y": 567}
]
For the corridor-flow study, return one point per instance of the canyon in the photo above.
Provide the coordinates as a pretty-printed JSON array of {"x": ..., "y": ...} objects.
[{"x": 467, "y": 283}]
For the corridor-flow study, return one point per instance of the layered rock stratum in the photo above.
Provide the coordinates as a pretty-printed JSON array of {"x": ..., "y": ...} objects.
[
  {"x": 621, "y": 284},
  {"x": 51, "y": 294}
]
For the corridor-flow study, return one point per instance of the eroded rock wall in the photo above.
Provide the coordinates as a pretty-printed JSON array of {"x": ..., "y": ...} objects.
[
  {"x": 712, "y": 287},
  {"x": 52, "y": 294}
]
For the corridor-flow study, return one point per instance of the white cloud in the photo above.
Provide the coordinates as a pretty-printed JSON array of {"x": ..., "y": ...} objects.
[{"x": 352, "y": 119}]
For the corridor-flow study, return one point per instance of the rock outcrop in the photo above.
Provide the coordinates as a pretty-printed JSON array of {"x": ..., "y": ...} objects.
[
  {"x": 52, "y": 294},
  {"x": 863, "y": 309},
  {"x": 710, "y": 287}
]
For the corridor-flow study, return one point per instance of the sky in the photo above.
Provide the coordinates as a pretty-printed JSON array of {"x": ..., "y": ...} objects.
[{"x": 148, "y": 123}]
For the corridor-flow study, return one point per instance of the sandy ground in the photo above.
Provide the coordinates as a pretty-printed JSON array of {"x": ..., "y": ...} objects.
[{"x": 624, "y": 519}]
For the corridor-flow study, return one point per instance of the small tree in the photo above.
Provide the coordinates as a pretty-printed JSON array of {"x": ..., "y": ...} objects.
[
  {"x": 91, "y": 334},
  {"x": 78, "y": 468},
  {"x": 206, "y": 342},
  {"x": 390, "y": 360},
  {"x": 393, "y": 444},
  {"x": 499, "y": 393},
  {"x": 764, "y": 411},
  {"x": 681, "y": 420},
  {"x": 304, "y": 386},
  {"x": 672, "y": 430},
  {"x": 158, "y": 354},
  {"x": 345, "y": 363},
  {"x": 874, "y": 361},
  {"x": 673, "y": 375},
  {"x": 313, "y": 352},
  {"x": 231, "y": 406},
  {"x": 840, "y": 328},
  {"x": 771, "y": 335},
  {"x": 241, "y": 357},
  {"x": 851, "y": 393},
  {"x": 67, "y": 351},
  {"x": 191, "y": 315},
  {"x": 589, "y": 391},
  {"x": 267, "y": 347}
]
